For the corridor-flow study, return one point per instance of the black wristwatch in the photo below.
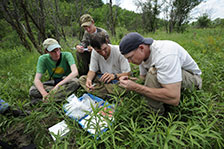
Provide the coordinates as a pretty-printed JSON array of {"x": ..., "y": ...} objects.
[{"x": 115, "y": 76}]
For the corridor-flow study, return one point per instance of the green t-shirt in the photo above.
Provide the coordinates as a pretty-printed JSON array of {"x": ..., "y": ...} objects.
[{"x": 46, "y": 63}]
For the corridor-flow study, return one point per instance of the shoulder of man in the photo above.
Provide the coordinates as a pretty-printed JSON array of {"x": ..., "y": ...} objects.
[
  {"x": 99, "y": 29},
  {"x": 115, "y": 48},
  {"x": 115, "y": 51},
  {"x": 44, "y": 57},
  {"x": 67, "y": 54},
  {"x": 103, "y": 30},
  {"x": 86, "y": 34}
]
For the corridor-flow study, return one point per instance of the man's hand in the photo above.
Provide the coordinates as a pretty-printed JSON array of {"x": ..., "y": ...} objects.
[
  {"x": 52, "y": 92},
  {"x": 125, "y": 83},
  {"x": 89, "y": 84},
  {"x": 45, "y": 97},
  {"x": 80, "y": 48},
  {"x": 107, "y": 77},
  {"x": 90, "y": 48}
]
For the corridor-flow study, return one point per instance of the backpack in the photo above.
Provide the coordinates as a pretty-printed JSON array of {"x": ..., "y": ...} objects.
[{"x": 3, "y": 106}]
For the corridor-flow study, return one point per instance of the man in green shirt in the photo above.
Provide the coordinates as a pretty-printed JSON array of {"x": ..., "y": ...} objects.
[{"x": 62, "y": 71}]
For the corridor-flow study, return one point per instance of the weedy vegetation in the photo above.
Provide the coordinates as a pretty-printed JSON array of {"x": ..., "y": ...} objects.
[{"x": 196, "y": 123}]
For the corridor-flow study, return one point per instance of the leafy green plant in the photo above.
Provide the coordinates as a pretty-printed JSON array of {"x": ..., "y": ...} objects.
[{"x": 196, "y": 123}]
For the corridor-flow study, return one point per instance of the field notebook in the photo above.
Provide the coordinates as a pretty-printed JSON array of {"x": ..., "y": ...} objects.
[{"x": 60, "y": 129}]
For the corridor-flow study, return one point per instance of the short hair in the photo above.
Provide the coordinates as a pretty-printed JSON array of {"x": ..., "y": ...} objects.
[{"x": 98, "y": 39}]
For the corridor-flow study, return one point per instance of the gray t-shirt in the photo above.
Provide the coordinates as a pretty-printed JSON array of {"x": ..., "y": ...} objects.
[{"x": 115, "y": 63}]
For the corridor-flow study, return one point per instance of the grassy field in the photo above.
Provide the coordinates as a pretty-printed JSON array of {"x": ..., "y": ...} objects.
[{"x": 196, "y": 123}]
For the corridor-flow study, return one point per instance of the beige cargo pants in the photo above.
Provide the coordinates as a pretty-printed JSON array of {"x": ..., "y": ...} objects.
[
  {"x": 189, "y": 81},
  {"x": 60, "y": 95}
]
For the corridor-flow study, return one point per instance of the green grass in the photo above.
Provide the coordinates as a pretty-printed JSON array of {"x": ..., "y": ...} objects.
[{"x": 196, "y": 123}]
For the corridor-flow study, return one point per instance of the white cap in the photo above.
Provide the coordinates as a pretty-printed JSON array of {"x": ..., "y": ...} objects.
[{"x": 50, "y": 44}]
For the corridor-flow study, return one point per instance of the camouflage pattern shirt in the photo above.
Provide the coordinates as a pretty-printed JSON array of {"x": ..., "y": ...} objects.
[{"x": 86, "y": 37}]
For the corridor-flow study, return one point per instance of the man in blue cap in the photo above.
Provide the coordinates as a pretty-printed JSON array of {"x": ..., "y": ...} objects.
[
  {"x": 62, "y": 71},
  {"x": 166, "y": 67}
]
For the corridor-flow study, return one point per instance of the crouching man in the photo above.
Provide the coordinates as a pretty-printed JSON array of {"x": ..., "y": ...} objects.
[
  {"x": 107, "y": 65},
  {"x": 166, "y": 66},
  {"x": 62, "y": 71}
]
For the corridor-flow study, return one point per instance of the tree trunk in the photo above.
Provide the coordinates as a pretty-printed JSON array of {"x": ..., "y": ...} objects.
[
  {"x": 31, "y": 36},
  {"x": 29, "y": 30},
  {"x": 42, "y": 33},
  {"x": 55, "y": 18},
  {"x": 112, "y": 23},
  {"x": 81, "y": 33},
  {"x": 41, "y": 25},
  {"x": 12, "y": 17}
]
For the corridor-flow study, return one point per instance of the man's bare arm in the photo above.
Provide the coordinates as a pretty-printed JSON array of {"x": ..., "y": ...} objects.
[{"x": 169, "y": 93}]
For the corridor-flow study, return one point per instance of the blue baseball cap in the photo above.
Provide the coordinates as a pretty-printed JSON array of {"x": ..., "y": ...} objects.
[{"x": 131, "y": 41}]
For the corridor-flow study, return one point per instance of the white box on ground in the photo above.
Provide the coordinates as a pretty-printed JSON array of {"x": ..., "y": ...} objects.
[
  {"x": 93, "y": 124},
  {"x": 60, "y": 129}
]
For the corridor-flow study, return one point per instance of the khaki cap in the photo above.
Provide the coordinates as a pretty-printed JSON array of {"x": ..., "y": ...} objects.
[
  {"x": 86, "y": 20},
  {"x": 50, "y": 44}
]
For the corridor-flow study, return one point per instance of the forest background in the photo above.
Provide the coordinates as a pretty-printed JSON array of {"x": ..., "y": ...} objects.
[{"x": 196, "y": 122}]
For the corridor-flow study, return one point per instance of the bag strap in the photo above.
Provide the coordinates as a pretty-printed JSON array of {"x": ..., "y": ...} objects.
[{"x": 57, "y": 64}]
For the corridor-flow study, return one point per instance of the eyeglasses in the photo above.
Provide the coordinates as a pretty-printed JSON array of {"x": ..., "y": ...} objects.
[{"x": 129, "y": 57}]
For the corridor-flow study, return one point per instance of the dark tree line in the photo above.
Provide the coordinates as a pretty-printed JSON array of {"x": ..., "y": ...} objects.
[
  {"x": 17, "y": 15},
  {"x": 35, "y": 20}
]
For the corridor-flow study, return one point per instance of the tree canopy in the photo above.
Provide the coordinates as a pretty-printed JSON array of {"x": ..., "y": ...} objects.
[{"x": 34, "y": 20}]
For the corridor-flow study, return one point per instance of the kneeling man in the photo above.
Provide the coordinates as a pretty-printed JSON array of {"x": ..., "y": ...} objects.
[{"x": 166, "y": 66}]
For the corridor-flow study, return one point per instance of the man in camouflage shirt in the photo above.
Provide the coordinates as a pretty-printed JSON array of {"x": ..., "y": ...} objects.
[{"x": 84, "y": 49}]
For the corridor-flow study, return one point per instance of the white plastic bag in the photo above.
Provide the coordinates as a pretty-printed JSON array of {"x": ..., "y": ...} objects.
[{"x": 76, "y": 108}]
